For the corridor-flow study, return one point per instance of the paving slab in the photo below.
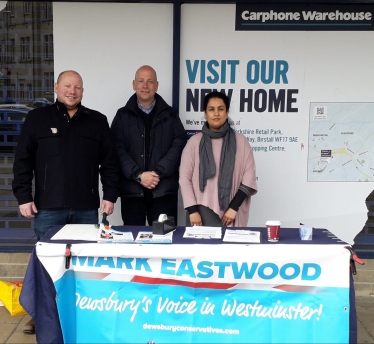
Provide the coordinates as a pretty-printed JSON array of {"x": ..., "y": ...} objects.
[
  {"x": 6, "y": 331},
  {"x": 365, "y": 319},
  {"x": 6, "y": 318},
  {"x": 18, "y": 337}
]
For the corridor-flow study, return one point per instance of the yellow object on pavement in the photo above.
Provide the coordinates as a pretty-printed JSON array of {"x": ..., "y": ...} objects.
[{"x": 9, "y": 296}]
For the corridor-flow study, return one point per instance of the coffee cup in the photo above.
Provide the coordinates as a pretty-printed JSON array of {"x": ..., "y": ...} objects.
[{"x": 273, "y": 229}]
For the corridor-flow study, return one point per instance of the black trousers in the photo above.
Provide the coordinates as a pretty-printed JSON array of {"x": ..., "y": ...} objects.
[
  {"x": 208, "y": 217},
  {"x": 135, "y": 210}
]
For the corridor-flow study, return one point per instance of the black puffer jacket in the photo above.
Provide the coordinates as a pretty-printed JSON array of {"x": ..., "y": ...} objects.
[
  {"x": 66, "y": 157},
  {"x": 167, "y": 140}
]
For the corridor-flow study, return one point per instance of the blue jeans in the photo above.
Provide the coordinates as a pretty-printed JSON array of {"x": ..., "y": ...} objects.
[{"x": 47, "y": 218}]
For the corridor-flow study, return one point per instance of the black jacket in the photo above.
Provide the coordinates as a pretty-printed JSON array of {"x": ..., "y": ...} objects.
[
  {"x": 66, "y": 158},
  {"x": 167, "y": 140}
]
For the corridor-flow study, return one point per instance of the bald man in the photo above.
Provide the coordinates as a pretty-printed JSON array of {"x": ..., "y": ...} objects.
[
  {"x": 66, "y": 146},
  {"x": 149, "y": 139}
]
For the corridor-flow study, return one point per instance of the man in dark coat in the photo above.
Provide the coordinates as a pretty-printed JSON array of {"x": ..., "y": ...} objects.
[
  {"x": 65, "y": 147},
  {"x": 149, "y": 139}
]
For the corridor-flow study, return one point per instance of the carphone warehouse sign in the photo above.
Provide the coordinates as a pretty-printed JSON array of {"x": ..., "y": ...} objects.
[{"x": 271, "y": 17}]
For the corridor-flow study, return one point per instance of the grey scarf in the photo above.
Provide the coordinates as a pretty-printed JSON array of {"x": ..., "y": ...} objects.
[{"x": 207, "y": 167}]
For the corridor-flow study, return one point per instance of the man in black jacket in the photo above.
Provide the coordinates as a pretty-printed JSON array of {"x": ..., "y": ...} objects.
[
  {"x": 65, "y": 146},
  {"x": 149, "y": 139}
]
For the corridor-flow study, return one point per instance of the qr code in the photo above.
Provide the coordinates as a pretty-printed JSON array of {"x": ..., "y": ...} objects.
[{"x": 320, "y": 113}]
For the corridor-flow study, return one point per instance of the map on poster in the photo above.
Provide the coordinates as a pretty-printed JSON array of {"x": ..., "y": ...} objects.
[{"x": 341, "y": 142}]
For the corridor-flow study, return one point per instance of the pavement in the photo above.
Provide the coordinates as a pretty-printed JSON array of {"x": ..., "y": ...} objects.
[
  {"x": 365, "y": 319},
  {"x": 11, "y": 326}
]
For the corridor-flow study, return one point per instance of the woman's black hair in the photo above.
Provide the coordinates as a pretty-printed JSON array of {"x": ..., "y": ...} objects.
[{"x": 216, "y": 94}]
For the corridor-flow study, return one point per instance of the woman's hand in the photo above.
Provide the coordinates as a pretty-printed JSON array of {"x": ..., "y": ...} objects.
[
  {"x": 229, "y": 217},
  {"x": 195, "y": 219}
]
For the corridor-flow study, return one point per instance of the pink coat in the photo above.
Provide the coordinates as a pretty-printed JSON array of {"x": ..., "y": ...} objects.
[{"x": 244, "y": 172}]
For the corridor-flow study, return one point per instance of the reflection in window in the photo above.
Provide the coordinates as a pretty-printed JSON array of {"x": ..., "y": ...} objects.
[
  {"x": 12, "y": 43},
  {"x": 48, "y": 46},
  {"x": 22, "y": 91},
  {"x": 48, "y": 81},
  {"x": 25, "y": 48},
  {"x": 29, "y": 91},
  {"x": 11, "y": 92},
  {"x": 48, "y": 14},
  {"x": 10, "y": 7},
  {"x": 26, "y": 7},
  {"x": 26, "y": 80}
]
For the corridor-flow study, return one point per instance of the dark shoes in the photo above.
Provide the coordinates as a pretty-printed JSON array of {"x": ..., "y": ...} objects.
[{"x": 29, "y": 327}]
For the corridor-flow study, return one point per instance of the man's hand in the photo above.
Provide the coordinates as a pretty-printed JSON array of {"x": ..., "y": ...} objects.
[
  {"x": 106, "y": 207},
  {"x": 195, "y": 219},
  {"x": 150, "y": 179},
  {"x": 28, "y": 210},
  {"x": 228, "y": 217}
]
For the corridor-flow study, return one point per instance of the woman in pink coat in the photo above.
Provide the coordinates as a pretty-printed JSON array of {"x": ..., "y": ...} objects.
[{"x": 217, "y": 171}]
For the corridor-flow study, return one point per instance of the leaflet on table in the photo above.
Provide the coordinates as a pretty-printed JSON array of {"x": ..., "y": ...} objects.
[
  {"x": 86, "y": 232},
  {"x": 242, "y": 235},
  {"x": 145, "y": 237},
  {"x": 111, "y": 235},
  {"x": 203, "y": 232}
]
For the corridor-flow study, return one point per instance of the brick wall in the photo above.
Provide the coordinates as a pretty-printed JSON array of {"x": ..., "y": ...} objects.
[
  {"x": 13, "y": 266},
  {"x": 364, "y": 280}
]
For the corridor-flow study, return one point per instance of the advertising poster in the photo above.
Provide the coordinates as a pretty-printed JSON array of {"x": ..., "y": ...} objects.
[
  {"x": 155, "y": 294},
  {"x": 300, "y": 79}
]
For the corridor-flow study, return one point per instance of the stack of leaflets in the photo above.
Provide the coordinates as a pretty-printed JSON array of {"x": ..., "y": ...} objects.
[
  {"x": 145, "y": 237},
  {"x": 108, "y": 234},
  {"x": 203, "y": 232},
  {"x": 242, "y": 235}
]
